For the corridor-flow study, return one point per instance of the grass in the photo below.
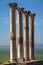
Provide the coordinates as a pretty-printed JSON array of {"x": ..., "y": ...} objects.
[
  {"x": 39, "y": 54},
  {"x": 6, "y": 62},
  {"x": 4, "y": 55}
]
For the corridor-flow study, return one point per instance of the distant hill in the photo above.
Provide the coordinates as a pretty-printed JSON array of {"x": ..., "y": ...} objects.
[
  {"x": 4, "y": 47},
  {"x": 37, "y": 46}
]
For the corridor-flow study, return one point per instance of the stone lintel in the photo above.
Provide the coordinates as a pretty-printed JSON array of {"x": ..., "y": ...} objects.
[
  {"x": 12, "y": 5},
  {"x": 27, "y": 13}
]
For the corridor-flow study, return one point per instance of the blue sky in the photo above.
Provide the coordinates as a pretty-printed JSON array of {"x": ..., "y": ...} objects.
[{"x": 35, "y": 6}]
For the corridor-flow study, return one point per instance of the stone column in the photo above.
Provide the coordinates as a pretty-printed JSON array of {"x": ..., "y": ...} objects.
[
  {"x": 31, "y": 50},
  {"x": 26, "y": 35},
  {"x": 20, "y": 34},
  {"x": 12, "y": 32}
]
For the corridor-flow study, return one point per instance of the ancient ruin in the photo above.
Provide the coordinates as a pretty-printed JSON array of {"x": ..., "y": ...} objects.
[{"x": 23, "y": 47}]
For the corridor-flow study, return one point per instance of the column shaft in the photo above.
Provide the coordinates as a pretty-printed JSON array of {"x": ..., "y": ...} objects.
[
  {"x": 31, "y": 37},
  {"x": 12, "y": 32},
  {"x": 20, "y": 35},
  {"x": 26, "y": 35}
]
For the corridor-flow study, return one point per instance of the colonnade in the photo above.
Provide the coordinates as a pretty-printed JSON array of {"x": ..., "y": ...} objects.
[{"x": 23, "y": 47}]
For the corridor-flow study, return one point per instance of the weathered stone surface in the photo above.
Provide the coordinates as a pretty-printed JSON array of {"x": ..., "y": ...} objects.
[
  {"x": 26, "y": 35},
  {"x": 20, "y": 34},
  {"x": 13, "y": 7},
  {"x": 31, "y": 49}
]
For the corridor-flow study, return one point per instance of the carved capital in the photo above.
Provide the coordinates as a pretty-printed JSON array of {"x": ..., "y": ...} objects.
[
  {"x": 32, "y": 15},
  {"x": 12, "y": 5},
  {"x": 20, "y": 10},
  {"x": 26, "y": 13}
]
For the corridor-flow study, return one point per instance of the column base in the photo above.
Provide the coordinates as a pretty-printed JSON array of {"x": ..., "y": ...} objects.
[
  {"x": 20, "y": 59},
  {"x": 13, "y": 60},
  {"x": 26, "y": 59},
  {"x": 32, "y": 58}
]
